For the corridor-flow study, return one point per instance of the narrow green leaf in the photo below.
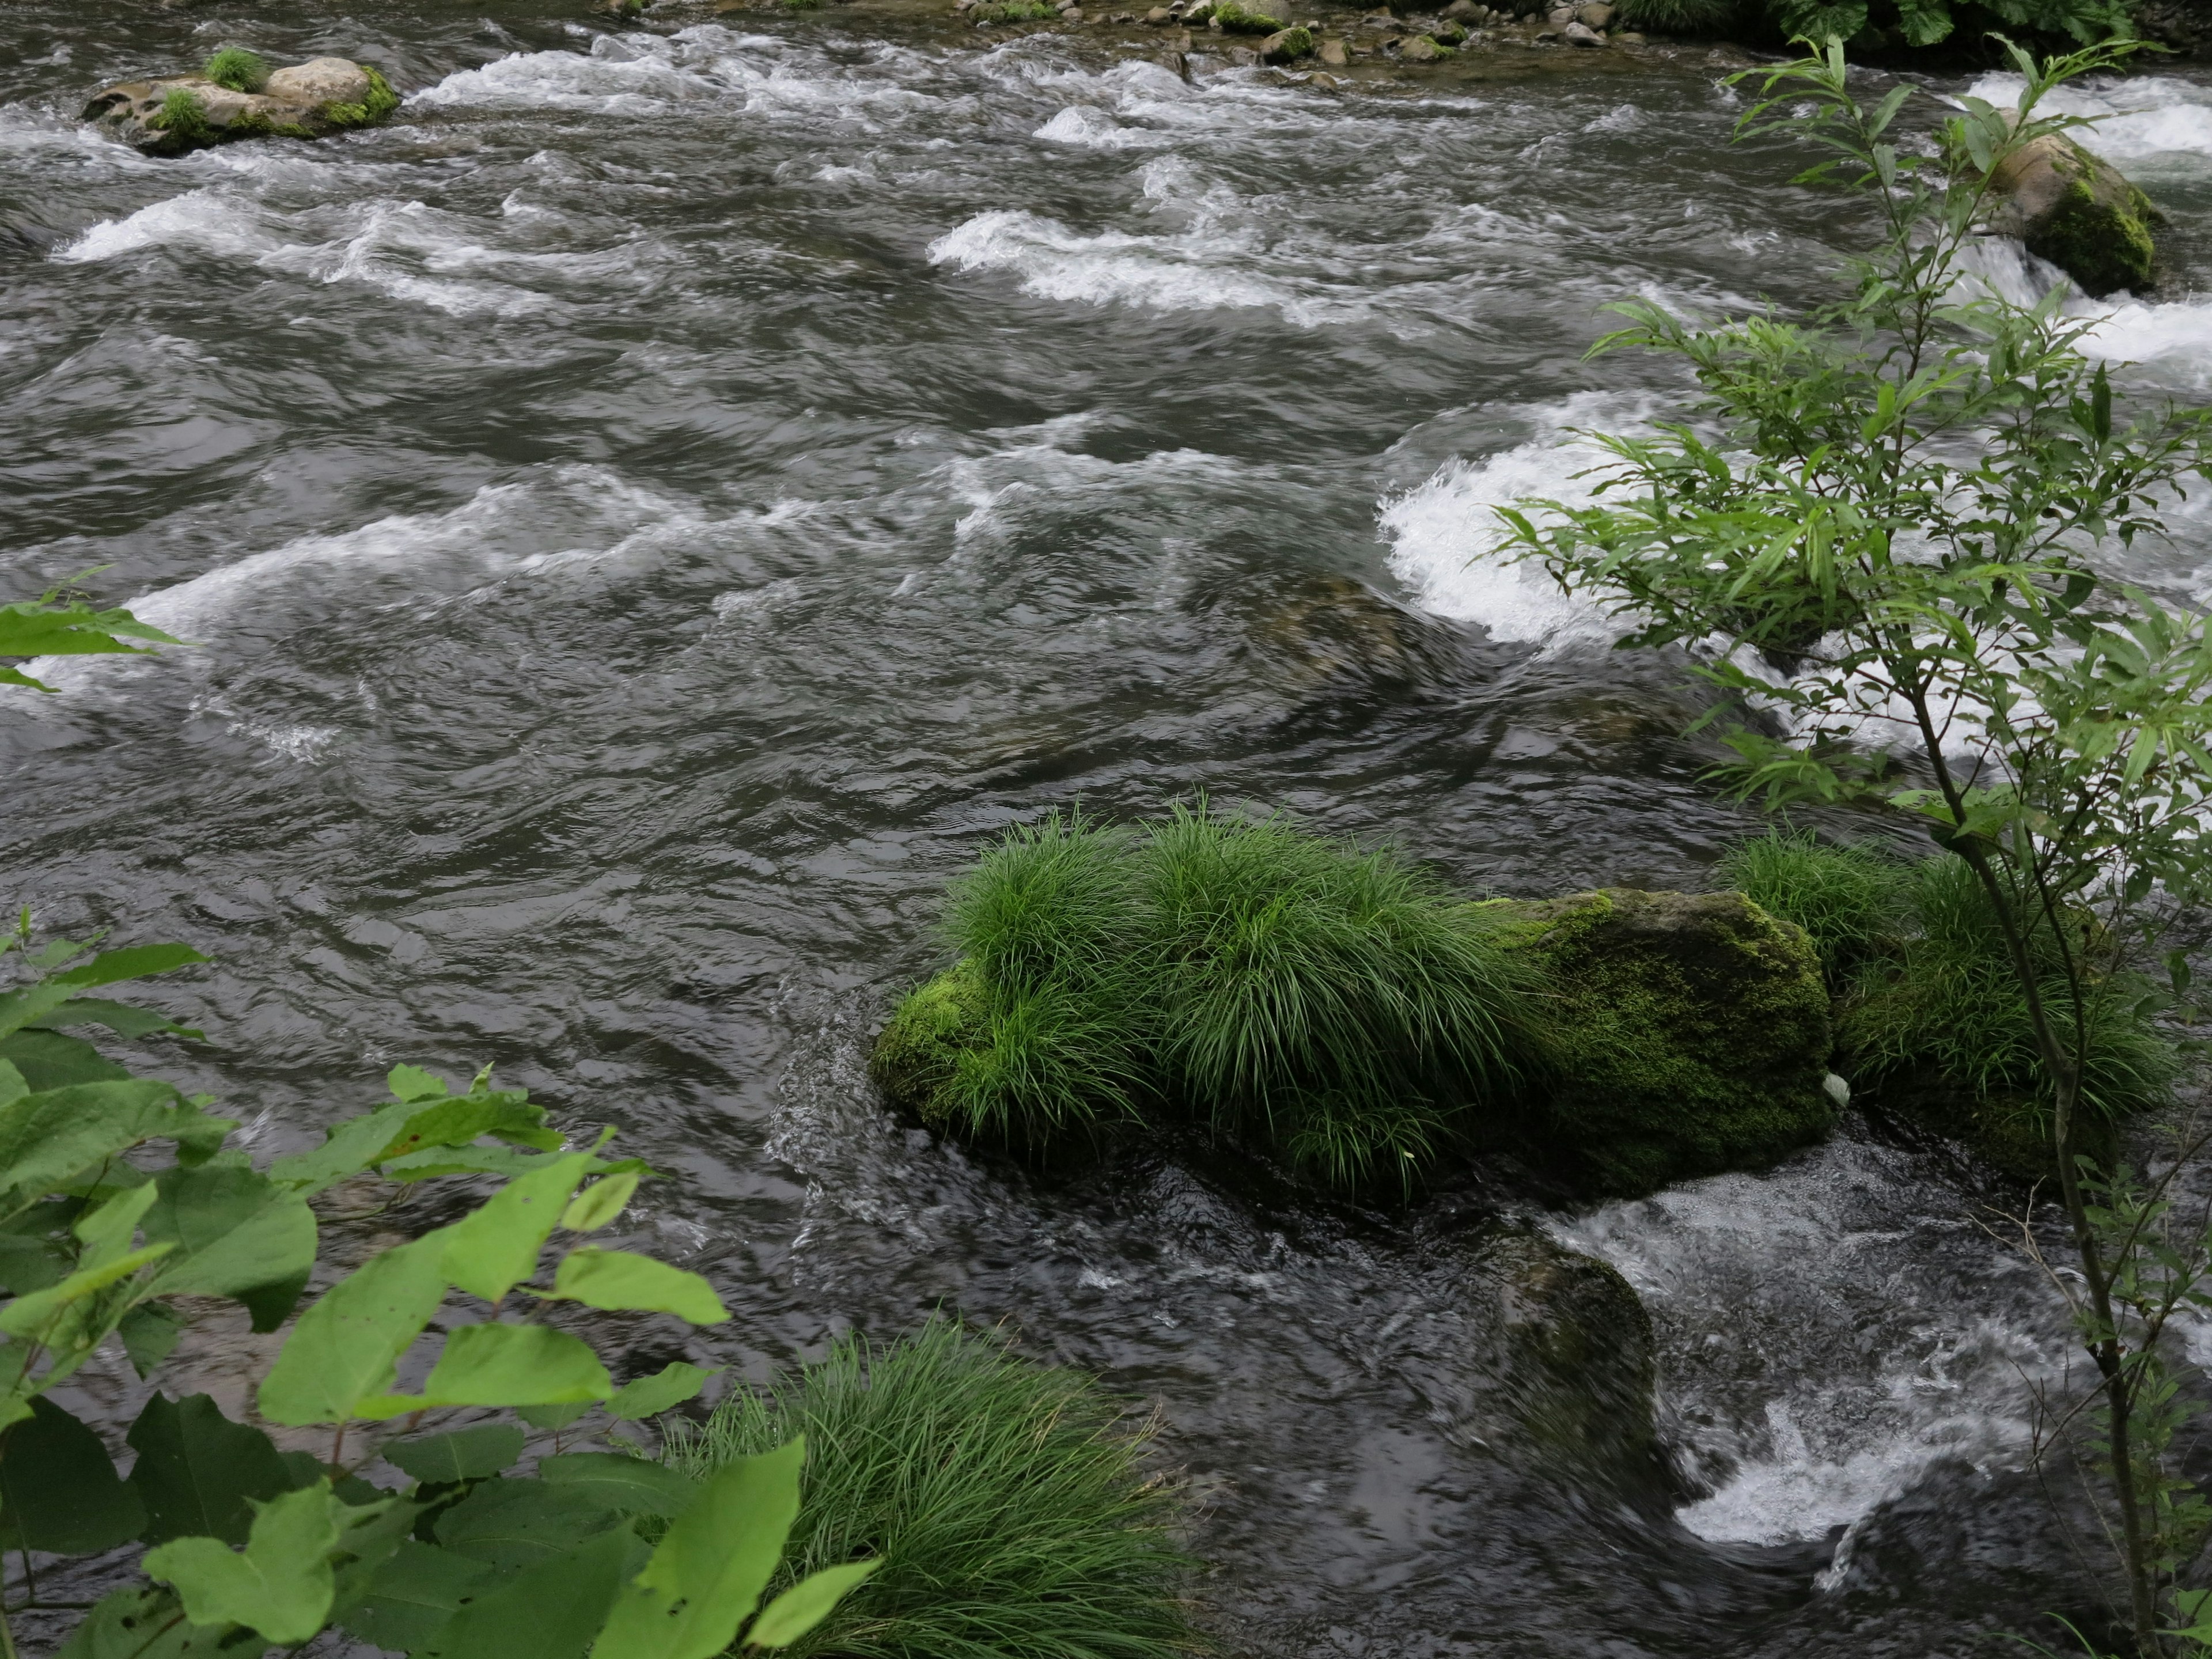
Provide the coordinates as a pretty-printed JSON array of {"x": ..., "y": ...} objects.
[
  {"x": 672, "y": 1385},
  {"x": 197, "y": 1469},
  {"x": 806, "y": 1604},
  {"x": 31, "y": 1314},
  {"x": 635, "y": 1485},
  {"x": 622, "y": 1280},
  {"x": 463, "y": 1455},
  {"x": 492, "y": 1250},
  {"x": 119, "y": 1017},
  {"x": 599, "y": 1203},
  {"x": 346, "y": 1347},
  {"x": 550, "y": 1611},
  {"x": 58, "y": 1491},
  {"x": 707, "y": 1574},
  {"x": 282, "y": 1584},
  {"x": 503, "y": 1365}
]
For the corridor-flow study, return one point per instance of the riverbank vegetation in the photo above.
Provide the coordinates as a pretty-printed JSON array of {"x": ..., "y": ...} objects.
[
  {"x": 1009, "y": 1508},
  {"x": 1887, "y": 26},
  {"x": 1885, "y": 539}
]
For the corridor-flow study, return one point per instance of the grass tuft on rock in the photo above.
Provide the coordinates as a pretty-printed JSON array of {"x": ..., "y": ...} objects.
[
  {"x": 239, "y": 69},
  {"x": 183, "y": 113},
  {"x": 1009, "y": 1503},
  {"x": 1848, "y": 898}
]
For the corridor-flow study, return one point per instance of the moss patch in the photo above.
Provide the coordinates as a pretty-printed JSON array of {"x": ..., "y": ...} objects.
[
  {"x": 919, "y": 1055},
  {"x": 2104, "y": 245},
  {"x": 1690, "y": 1034},
  {"x": 378, "y": 104}
]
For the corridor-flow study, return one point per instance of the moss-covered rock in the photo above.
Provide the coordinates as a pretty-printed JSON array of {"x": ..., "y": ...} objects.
[
  {"x": 915, "y": 1060},
  {"x": 1690, "y": 1034},
  {"x": 1578, "y": 1355},
  {"x": 2079, "y": 213},
  {"x": 174, "y": 114}
]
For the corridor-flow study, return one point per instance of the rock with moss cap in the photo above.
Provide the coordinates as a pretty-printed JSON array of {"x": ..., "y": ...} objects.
[
  {"x": 1689, "y": 1035},
  {"x": 2079, "y": 213},
  {"x": 169, "y": 115}
]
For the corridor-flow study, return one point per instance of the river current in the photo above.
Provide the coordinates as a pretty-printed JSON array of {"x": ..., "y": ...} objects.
[{"x": 648, "y": 513}]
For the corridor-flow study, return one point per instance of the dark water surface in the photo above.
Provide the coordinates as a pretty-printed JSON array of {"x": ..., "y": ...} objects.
[{"x": 647, "y": 512}]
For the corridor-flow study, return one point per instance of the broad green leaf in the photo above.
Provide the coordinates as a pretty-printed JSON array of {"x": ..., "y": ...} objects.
[
  {"x": 47, "y": 1137},
  {"x": 806, "y": 1604},
  {"x": 494, "y": 1160},
  {"x": 503, "y": 1365},
  {"x": 492, "y": 1250},
  {"x": 463, "y": 1455},
  {"x": 119, "y": 1017},
  {"x": 411, "y": 1597},
  {"x": 622, "y": 1280},
  {"x": 32, "y": 1314},
  {"x": 506, "y": 1116},
  {"x": 346, "y": 1347},
  {"x": 30, "y": 1263},
  {"x": 512, "y": 1524},
  {"x": 130, "y": 962},
  {"x": 149, "y": 1332},
  {"x": 599, "y": 1203},
  {"x": 143, "y": 1621},
  {"x": 58, "y": 1491},
  {"x": 238, "y": 1234},
  {"x": 108, "y": 1228},
  {"x": 706, "y": 1575},
  {"x": 197, "y": 1469},
  {"x": 281, "y": 1585},
  {"x": 550, "y": 1611},
  {"x": 553, "y": 1419},
  {"x": 412, "y": 1083},
  {"x": 47, "y": 1060},
  {"x": 636, "y": 1486},
  {"x": 672, "y": 1385}
]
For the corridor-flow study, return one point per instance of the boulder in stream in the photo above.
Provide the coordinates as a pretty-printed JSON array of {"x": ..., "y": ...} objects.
[
  {"x": 2078, "y": 212},
  {"x": 1690, "y": 1034},
  {"x": 170, "y": 115},
  {"x": 1578, "y": 1359}
]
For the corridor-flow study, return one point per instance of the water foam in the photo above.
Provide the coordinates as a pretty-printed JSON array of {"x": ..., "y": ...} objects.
[{"x": 1445, "y": 534}]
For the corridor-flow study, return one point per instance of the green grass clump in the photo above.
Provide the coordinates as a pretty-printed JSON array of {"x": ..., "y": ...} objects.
[
  {"x": 183, "y": 113},
  {"x": 1015, "y": 11},
  {"x": 1680, "y": 16},
  {"x": 1290, "y": 994},
  {"x": 1945, "y": 1015},
  {"x": 236, "y": 68},
  {"x": 1008, "y": 1503},
  {"x": 1848, "y": 898}
]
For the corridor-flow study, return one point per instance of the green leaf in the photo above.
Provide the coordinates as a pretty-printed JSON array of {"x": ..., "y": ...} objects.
[
  {"x": 120, "y": 1017},
  {"x": 346, "y": 1347},
  {"x": 31, "y": 1314},
  {"x": 672, "y": 1385},
  {"x": 197, "y": 1469},
  {"x": 412, "y": 1083},
  {"x": 550, "y": 1611},
  {"x": 47, "y": 1060},
  {"x": 599, "y": 1203},
  {"x": 503, "y": 1365},
  {"x": 411, "y": 1597},
  {"x": 143, "y": 1622},
  {"x": 47, "y": 1137},
  {"x": 149, "y": 1332},
  {"x": 463, "y": 1455},
  {"x": 707, "y": 1574},
  {"x": 806, "y": 1604},
  {"x": 635, "y": 1485},
  {"x": 58, "y": 1491},
  {"x": 624, "y": 1281},
  {"x": 238, "y": 1234},
  {"x": 490, "y": 1251},
  {"x": 28, "y": 1263},
  {"x": 282, "y": 1584},
  {"x": 511, "y": 1523},
  {"x": 553, "y": 1419}
]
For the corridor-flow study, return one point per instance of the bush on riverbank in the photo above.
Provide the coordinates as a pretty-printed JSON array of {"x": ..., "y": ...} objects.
[
  {"x": 1884, "y": 26},
  {"x": 1008, "y": 1504}
]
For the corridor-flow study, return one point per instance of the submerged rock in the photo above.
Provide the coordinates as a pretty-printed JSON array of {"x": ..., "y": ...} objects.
[
  {"x": 2078, "y": 212},
  {"x": 1690, "y": 1034},
  {"x": 170, "y": 115},
  {"x": 1578, "y": 1355}
]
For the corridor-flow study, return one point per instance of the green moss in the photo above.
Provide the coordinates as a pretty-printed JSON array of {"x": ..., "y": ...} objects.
[
  {"x": 250, "y": 124},
  {"x": 1235, "y": 20},
  {"x": 239, "y": 69},
  {"x": 2103, "y": 245},
  {"x": 183, "y": 115},
  {"x": 934, "y": 1026},
  {"x": 379, "y": 103},
  {"x": 1448, "y": 34},
  {"x": 1291, "y": 45},
  {"x": 1689, "y": 1035},
  {"x": 1016, "y": 11}
]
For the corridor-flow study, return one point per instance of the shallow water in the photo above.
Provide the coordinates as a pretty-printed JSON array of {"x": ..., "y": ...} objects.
[{"x": 646, "y": 512}]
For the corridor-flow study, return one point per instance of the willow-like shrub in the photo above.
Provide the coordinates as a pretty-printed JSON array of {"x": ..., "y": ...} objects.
[
  {"x": 1296, "y": 994},
  {"x": 1009, "y": 1504}
]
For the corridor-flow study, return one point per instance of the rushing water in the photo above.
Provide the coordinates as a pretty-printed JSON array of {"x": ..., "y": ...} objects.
[{"x": 647, "y": 512}]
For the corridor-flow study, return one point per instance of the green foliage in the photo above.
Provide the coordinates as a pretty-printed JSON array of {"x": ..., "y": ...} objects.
[
  {"x": 50, "y": 626},
  {"x": 1848, "y": 898},
  {"x": 236, "y": 68},
  {"x": 1015, "y": 11},
  {"x": 1285, "y": 991},
  {"x": 379, "y": 103},
  {"x": 183, "y": 115},
  {"x": 1008, "y": 1504},
  {"x": 1681, "y": 16},
  {"x": 1889, "y": 25},
  {"x": 1298, "y": 42},
  {"x": 1235, "y": 20}
]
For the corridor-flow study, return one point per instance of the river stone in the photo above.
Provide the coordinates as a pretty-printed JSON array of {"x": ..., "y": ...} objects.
[
  {"x": 2077, "y": 212},
  {"x": 1579, "y": 1356},
  {"x": 1689, "y": 1035},
  {"x": 1420, "y": 50},
  {"x": 1286, "y": 45},
  {"x": 304, "y": 100},
  {"x": 1336, "y": 53},
  {"x": 1582, "y": 34},
  {"x": 1597, "y": 15}
]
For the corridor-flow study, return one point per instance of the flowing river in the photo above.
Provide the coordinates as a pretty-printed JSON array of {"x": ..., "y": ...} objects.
[{"x": 646, "y": 512}]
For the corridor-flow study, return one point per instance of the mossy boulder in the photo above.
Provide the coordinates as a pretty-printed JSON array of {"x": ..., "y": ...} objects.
[
  {"x": 2079, "y": 213},
  {"x": 1578, "y": 1356},
  {"x": 1689, "y": 1035},
  {"x": 170, "y": 115},
  {"x": 919, "y": 1052}
]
